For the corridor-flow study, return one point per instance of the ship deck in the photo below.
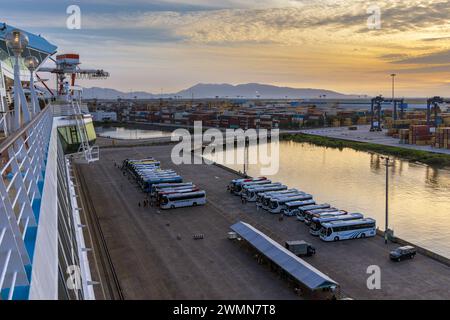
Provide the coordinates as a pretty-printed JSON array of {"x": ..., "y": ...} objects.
[{"x": 154, "y": 256}]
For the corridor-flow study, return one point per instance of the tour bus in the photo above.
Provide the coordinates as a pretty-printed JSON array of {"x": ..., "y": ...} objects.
[
  {"x": 134, "y": 168},
  {"x": 174, "y": 190},
  {"x": 320, "y": 213},
  {"x": 143, "y": 164},
  {"x": 158, "y": 174},
  {"x": 263, "y": 199},
  {"x": 245, "y": 188},
  {"x": 167, "y": 178},
  {"x": 236, "y": 184},
  {"x": 145, "y": 173},
  {"x": 251, "y": 194},
  {"x": 237, "y": 187},
  {"x": 351, "y": 229},
  {"x": 149, "y": 163},
  {"x": 136, "y": 172},
  {"x": 273, "y": 193},
  {"x": 316, "y": 223},
  {"x": 147, "y": 184},
  {"x": 302, "y": 210},
  {"x": 179, "y": 200},
  {"x": 159, "y": 195},
  {"x": 241, "y": 189},
  {"x": 128, "y": 163},
  {"x": 277, "y": 205},
  {"x": 309, "y": 215},
  {"x": 292, "y": 208},
  {"x": 161, "y": 186}
]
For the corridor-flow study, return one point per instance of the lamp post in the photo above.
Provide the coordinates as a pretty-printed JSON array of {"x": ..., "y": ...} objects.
[
  {"x": 393, "y": 75},
  {"x": 17, "y": 41},
  {"x": 386, "y": 227},
  {"x": 32, "y": 63}
]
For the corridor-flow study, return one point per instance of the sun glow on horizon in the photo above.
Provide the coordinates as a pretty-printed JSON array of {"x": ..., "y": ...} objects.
[{"x": 327, "y": 44}]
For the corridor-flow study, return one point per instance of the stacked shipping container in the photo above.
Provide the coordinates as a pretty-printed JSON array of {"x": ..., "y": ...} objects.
[
  {"x": 420, "y": 135},
  {"x": 443, "y": 138}
]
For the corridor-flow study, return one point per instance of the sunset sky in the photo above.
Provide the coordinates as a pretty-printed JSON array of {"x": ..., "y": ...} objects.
[{"x": 173, "y": 44}]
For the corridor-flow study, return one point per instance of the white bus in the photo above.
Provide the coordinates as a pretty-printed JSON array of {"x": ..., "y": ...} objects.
[
  {"x": 302, "y": 211},
  {"x": 292, "y": 208},
  {"x": 316, "y": 223},
  {"x": 257, "y": 186},
  {"x": 236, "y": 184},
  {"x": 277, "y": 205},
  {"x": 260, "y": 198},
  {"x": 351, "y": 229},
  {"x": 179, "y": 200},
  {"x": 263, "y": 199},
  {"x": 252, "y": 193},
  {"x": 240, "y": 189},
  {"x": 157, "y": 187},
  {"x": 161, "y": 193},
  {"x": 309, "y": 215}
]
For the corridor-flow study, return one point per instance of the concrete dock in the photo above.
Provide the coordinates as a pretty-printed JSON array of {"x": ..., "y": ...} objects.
[
  {"x": 154, "y": 256},
  {"x": 363, "y": 134}
]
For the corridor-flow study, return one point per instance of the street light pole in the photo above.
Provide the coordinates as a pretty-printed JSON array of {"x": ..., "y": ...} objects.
[
  {"x": 393, "y": 75},
  {"x": 386, "y": 227},
  {"x": 393, "y": 85}
]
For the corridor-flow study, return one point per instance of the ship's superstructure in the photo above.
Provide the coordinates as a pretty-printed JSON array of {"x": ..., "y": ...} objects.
[{"x": 43, "y": 254}]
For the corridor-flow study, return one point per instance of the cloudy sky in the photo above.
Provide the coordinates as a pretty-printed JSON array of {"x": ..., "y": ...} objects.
[{"x": 172, "y": 44}]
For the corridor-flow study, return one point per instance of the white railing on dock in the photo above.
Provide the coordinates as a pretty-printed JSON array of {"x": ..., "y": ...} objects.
[{"x": 22, "y": 165}]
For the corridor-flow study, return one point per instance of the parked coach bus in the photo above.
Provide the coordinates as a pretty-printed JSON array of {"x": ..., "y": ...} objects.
[
  {"x": 160, "y": 194},
  {"x": 161, "y": 186},
  {"x": 252, "y": 193},
  {"x": 241, "y": 189},
  {"x": 278, "y": 205},
  {"x": 180, "y": 200},
  {"x": 316, "y": 223},
  {"x": 263, "y": 199},
  {"x": 293, "y": 208},
  {"x": 352, "y": 229},
  {"x": 302, "y": 211},
  {"x": 148, "y": 183},
  {"x": 235, "y": 186},
  {"x": 309, "y": 215}
]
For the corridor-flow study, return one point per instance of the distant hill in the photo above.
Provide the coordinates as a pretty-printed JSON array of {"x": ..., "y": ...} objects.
[
  {"x": 245, "y": 91},
  {"x": 110, "y": 94},
  {"x": 254, "y": 90}
]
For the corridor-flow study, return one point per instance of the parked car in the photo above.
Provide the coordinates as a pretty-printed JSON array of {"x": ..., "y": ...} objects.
[{"x": 402, "y": 253}]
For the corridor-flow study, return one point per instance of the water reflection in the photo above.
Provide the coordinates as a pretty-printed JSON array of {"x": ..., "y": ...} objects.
[{"x": 355, "y": 181}]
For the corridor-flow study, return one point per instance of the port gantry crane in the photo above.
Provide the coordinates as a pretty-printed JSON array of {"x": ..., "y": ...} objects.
[
  {"x": 375, "y": 111},
  {"x": 434, "y": 102}
]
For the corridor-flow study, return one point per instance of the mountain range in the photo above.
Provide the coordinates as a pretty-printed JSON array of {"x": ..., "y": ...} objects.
[{"x": 205, "y": 91}]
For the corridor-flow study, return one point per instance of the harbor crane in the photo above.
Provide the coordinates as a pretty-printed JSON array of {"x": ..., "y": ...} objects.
[
  {"x": 69, "y": 65},
  {"x": 375, "y": 111},
  {"x": 434, "y": 102}
]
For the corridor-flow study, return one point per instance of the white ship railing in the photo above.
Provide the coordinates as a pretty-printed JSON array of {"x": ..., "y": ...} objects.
[
  {"x": 3, "y": 124},
  {"x": 22, "y": 166}
]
